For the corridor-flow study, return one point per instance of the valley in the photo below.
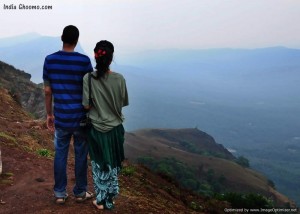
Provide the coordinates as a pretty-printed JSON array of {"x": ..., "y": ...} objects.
[{"x": 247, "y": 99}]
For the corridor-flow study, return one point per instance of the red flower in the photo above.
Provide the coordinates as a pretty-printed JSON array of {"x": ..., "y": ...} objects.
[{"x": 100, "y": 53}]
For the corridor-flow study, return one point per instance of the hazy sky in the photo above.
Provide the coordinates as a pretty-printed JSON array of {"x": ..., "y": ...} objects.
[{"x": 156, "y": 24}]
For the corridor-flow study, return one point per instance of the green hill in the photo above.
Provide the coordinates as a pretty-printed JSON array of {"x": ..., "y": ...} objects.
[{"x": 211, "y": 168}]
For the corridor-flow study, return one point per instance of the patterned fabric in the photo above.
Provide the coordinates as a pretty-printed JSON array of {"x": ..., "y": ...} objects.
[
  {"x": 106, "y": 184},
  {"x": 106, "y": 153},
  {"x": 106, "y": 149},
  {"x": 63, "y": 72}
]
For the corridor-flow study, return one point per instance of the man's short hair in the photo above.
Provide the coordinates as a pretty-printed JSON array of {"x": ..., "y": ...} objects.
[{"x": 70, "y": 35}]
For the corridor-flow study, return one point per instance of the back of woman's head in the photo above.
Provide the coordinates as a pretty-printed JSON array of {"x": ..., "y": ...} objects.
[{"x": 103, "y": 51}]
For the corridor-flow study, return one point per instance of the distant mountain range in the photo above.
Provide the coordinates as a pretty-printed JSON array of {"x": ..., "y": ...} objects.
[
  {"x": 247, "y": 99},
  {"x": 27, "y": 52}
]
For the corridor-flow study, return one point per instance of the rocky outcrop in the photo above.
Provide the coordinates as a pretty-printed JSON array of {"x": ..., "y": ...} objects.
[{"x": 28, "y": 94}]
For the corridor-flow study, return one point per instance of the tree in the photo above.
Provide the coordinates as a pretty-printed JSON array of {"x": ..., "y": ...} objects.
[{"x": 244, "y": 162}]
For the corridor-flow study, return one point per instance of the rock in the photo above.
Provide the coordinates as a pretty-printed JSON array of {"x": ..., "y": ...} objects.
[
  {"x": 26, "y": 93},
  {"x": 40, "y": 179}
]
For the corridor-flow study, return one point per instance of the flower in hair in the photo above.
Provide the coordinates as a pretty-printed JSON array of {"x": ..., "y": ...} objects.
[{"x": 100, "y": 53}]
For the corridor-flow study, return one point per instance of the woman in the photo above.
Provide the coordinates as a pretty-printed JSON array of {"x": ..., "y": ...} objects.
[{"x": 106, "y": 137}]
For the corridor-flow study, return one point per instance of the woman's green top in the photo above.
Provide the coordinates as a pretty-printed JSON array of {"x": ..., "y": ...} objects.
[{"x": 109, "y": 95}]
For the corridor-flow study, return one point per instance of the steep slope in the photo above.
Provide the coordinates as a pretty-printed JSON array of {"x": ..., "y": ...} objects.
[
  {"x": 27, "y": 93},
  {"x": 27, "y": 179},
  {"x": 164, "y": 143}
]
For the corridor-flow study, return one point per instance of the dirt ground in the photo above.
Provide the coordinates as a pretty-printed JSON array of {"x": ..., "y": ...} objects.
[{"x": 26, "y": 182}]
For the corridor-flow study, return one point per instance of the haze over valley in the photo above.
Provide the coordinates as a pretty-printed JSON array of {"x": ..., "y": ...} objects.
[{"x": 247, "y": 99}]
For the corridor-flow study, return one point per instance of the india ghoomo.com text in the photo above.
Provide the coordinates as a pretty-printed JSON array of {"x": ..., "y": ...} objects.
[{"x": 26, "y": 7}]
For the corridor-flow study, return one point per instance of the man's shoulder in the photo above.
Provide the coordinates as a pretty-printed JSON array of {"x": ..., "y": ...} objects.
[
  {"x": 52, "y": 55},
  {"x": 68, "y": 56},
  {"x": 80, "y": 54},
  {"x": 83, "y": 56}
]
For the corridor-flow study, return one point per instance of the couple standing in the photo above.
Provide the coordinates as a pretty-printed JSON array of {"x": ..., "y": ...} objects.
[{"x": 66, "y": 81}]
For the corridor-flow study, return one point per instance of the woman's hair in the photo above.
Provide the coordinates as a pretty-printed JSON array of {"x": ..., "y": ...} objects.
[{"x": 104, "y": 51}]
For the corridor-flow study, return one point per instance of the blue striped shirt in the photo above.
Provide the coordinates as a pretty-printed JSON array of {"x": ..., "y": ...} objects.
[{"x": 63, "y": 72}]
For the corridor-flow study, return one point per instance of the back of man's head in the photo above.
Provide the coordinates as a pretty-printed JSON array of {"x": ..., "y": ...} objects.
[{"x": 70, "y": 35}]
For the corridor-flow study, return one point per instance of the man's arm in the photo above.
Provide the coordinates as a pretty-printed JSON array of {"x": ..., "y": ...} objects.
[
  {"x": 85, "y": 94},
  {"x": 48, "y": 103}
]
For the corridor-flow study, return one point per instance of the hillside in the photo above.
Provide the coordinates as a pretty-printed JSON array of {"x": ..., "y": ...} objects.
[
  {"x": 188, "y": 140},
  {"x": 231, "y": 119},
  {"x": 166, "y": 143},
  {"x": 28, "y": 94},
  {"x": 27, "y": 179}
]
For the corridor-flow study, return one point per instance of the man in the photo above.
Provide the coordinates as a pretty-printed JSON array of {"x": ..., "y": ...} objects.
[{"x": 63, "y": 78}]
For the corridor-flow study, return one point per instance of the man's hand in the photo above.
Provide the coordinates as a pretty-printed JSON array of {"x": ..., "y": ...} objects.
[
  {"x": 48, "y": 103},
  {"x": 50, "y": 122}
]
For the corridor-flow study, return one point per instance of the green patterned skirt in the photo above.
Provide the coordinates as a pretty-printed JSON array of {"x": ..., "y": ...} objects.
[
  {"x": 106, "y": 153},
  {"x": 107, "y": 148}
]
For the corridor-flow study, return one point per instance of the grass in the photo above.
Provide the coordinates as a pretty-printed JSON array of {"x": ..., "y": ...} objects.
[
  {"x": 6, "y": 178},
  {"x": 128, "y": 170},
  {"x": 44, "y": 153},
  {"x": 195, "y": 206},
  {"x": 7, "y": 137}
]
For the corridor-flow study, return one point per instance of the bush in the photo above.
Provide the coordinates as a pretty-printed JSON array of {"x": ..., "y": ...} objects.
[
  {"x": 195, "y": 206},
  {"x": 146, "y": 161},
  {"x": 128, "y": 171},
  {"x": 206, "y": 189},
  {"x": 44, "y": 152},
  {"x": 172, "y": 169},
  {"x": 244, "y": 162},
  {"x": 272, "y": 184},
  {"x": 250, "y": 200}
]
